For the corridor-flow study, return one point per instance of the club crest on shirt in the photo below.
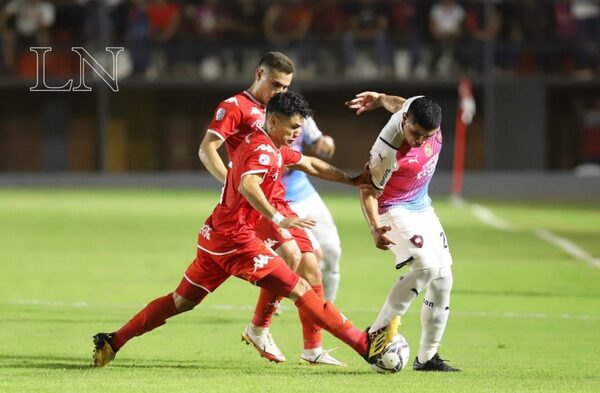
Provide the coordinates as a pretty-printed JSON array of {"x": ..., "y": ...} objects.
[
  {"x": 255, "y": 111},
  {"x": 264, "y": 159},
  {"x": 258, "y": 123},
  {"x": 428, "y": 149},
  {"x": 220, "y": 115}
]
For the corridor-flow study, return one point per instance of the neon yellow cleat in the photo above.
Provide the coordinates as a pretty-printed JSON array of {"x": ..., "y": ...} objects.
[{"x": 380, "y": 338}]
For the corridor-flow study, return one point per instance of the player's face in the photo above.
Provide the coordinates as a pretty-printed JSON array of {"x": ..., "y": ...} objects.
[
  {"x": 284, "y": 129},
  {"x": 271, "y": 82},
  {"x": 414, "y": 134}
]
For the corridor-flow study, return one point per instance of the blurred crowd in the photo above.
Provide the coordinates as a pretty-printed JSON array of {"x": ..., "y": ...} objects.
[{"x": 210, "y": 39}]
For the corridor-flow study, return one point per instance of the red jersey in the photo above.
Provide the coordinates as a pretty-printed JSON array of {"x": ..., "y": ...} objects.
[
  {"x": 235, "y": 118},
  {"x": 234, "y": 219}
]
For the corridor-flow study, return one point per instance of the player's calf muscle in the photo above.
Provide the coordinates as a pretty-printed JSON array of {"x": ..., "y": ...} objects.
[{"x": 299, "y": 289}]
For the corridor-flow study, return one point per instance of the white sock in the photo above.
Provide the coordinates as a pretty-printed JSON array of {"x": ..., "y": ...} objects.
[
  {"x": 257, "y": 330},
  {"x": 434, "y": 316},
  {"x": 313, "y": 351},
  {"x": 401, "y": 296},
  {"x": 330, "y": 269}
]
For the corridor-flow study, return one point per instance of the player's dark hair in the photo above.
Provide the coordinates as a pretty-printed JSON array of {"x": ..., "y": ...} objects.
[
  {"x": 289, "y": 104},
  {"x": 425, "y": 112},
  {"x": 277, "y": 61}
]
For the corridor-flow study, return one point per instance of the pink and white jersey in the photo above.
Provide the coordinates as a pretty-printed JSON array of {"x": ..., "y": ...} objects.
[
  {"x": 403, "y": 172},
  {"x": 408, "y": 185}
]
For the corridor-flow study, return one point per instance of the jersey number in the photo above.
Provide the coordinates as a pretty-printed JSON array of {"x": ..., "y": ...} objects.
[{"x": 444, "y": 240}]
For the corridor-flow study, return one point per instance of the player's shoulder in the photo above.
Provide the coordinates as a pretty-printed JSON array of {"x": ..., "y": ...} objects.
[
  {"x": 257, "y": 141},
  {"x": 228, "y": 107}
]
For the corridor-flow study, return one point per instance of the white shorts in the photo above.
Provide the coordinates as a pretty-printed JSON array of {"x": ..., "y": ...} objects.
[
  {"x": 420, "y": 239},
  {"x": 325, "y": 232}
]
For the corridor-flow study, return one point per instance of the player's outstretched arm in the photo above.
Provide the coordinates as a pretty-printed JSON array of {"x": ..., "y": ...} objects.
[
  {"x": 209, "y": 155},
  {"x": 368, "y": 204},
  {"x": 319, "y": 168},
  {"x": 250, "y": 189},
  {"x": 369, "y": 100}
]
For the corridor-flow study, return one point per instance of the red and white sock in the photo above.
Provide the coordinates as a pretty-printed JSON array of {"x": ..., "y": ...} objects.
[{"x": 265, "y": 308}]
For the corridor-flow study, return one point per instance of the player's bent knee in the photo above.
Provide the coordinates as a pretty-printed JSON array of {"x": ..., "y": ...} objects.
[
  {"x": 290, "y": 252},
  {"x": 182, "y": 304},
  {"x": 332, "y": 253},
  {"x": 188, "y": 295}
]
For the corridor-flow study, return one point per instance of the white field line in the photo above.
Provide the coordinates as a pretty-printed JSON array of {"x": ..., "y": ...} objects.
[
  {"x": 486, "y": 216},
  {"x": 374, "y": 310},
  {"x": 568, "y": 247}
]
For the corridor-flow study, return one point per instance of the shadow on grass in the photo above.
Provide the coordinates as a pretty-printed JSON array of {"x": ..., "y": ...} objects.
[
  {"x": 43, "y": 362},
  {"x": 51, "y": 362}
]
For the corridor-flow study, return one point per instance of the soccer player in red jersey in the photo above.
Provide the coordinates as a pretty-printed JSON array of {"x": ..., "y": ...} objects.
[
  {"x": 233, "y": 120},
  {"x": 228, "y": 245}
]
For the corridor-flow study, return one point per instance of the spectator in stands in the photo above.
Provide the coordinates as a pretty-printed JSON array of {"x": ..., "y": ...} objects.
[
  {"x": 564, "y": 34},
  {"x": 368, "y": 25},
  {"x": 587, "y": 27},
  {"x": 285, "y": 26},
  {"x": 209, "y": 18},
  {"x": 535, "y": 23},
  {"x": 27, "y": 24},
  {"x": 164, "y": 17},
  {"x": 329, "y": 23},
  {"x": 405, "y": 37},
  {"x": 446, "y": 20},
  {"x": 137, "y": 36},
  {"x": 245, "y": 36},
  {"x": 480, "y": 30}
]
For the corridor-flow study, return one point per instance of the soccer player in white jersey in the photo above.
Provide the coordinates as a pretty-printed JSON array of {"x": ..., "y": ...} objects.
[
  {"x": 399, "y": 213},
  {"x": 306, "y": 202}
]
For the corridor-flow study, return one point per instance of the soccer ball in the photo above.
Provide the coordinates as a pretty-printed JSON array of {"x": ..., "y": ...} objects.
[{"x": 394, "y": 356}]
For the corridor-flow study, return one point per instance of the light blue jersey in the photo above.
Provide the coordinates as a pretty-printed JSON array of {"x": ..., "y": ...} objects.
[{"x": 297, "y": 185}]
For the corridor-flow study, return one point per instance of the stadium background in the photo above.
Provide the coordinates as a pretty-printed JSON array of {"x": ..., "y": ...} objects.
[{"x": 533, "y": 65}]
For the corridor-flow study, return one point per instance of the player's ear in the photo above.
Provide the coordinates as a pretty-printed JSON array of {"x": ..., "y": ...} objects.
[{"x": 272, "y": 120}]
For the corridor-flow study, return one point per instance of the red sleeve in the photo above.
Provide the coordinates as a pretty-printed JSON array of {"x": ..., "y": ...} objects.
[
  {"x": 258, "y": 161},
  {"x": 290, "y": 156},
  {"x": 226, "y": 119}
]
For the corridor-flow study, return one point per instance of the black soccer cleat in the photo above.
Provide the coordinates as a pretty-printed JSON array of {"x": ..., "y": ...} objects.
[
  {"x": 103, "y": 349},
  {"x": 436, "y": 363}
]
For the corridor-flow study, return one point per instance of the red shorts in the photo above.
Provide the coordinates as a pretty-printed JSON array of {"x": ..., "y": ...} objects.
[
  {"x": 251, "y": 262},
  {"x": 274, "y": 236}
]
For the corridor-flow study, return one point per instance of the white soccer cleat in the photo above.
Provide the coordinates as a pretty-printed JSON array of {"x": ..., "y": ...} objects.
[
  {"x": 263, "y": 343},
  {"x": 321, "y": 358}
]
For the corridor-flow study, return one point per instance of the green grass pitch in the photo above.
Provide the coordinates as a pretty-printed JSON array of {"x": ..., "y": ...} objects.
[{"x": 525, "y": 315}]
